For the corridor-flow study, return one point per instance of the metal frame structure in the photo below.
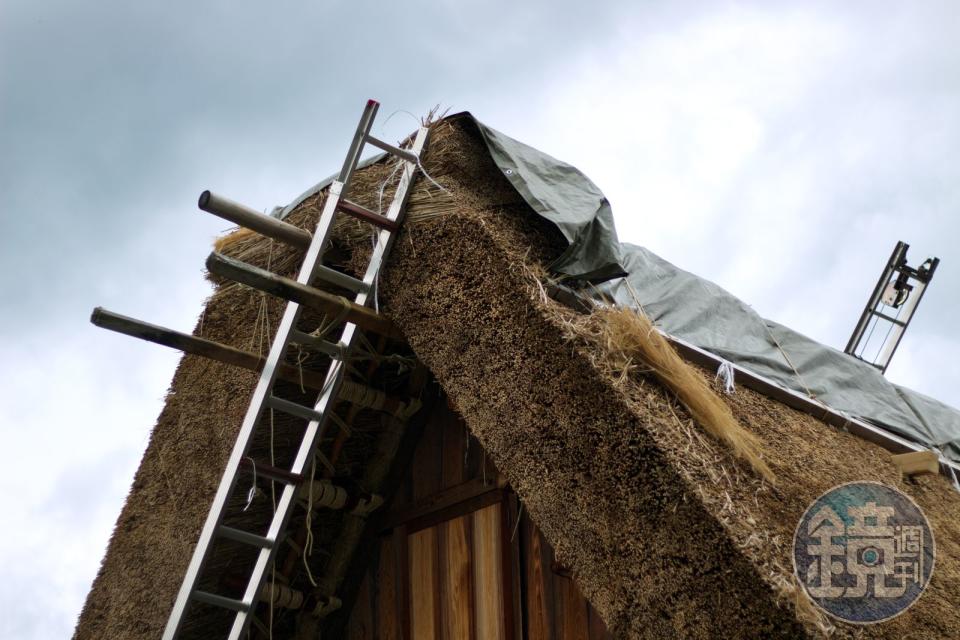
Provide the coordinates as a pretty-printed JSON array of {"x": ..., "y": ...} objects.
[
  {"x": 900, "y": 287},
  {"x": 263, "y": 397}
]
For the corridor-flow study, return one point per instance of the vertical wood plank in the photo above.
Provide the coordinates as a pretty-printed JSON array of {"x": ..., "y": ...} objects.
[
  {"x": 386, "y": 613},
  {"x": 539, "y": 583},
  {"x": 427, "y": 467},
  {"x": 571, "y": 610},
  {"x": 454, "y": 450},
  {"x": 474, "y": 456},
  {"x": 423, "y": 584},
  {"x": 456, "y": 576},
  {"x": 510, "y": 562},
  {"x": 598, "y": 628},
  {"x": 488, "y": 574},
  {"x": 401, "y": 552}
]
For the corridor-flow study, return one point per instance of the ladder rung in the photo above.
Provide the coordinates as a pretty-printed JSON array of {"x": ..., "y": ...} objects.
[
  {"x": 366, "y": 215},
  {"x": 221, "y": 601},
  {"x": 356, "y": 146},
  {"x": 895, "y": 321},
  {"x": 340, "y": 279},
  {"x": 245, "y": 537},
  {"x": 272, "y": 473},
  {"x": 403, "y": 154},
  {"x": 337, "y": 350},
  {"x": 294, "y": 409}
]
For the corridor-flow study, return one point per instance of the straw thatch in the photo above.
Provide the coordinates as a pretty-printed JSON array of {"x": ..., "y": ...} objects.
[
  {"x": 668, "y": 532},
  {"x": 626, "y": 339}
]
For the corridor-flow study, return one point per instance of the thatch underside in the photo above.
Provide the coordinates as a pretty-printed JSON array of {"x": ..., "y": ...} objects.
[{"x": 666, "y": 534}]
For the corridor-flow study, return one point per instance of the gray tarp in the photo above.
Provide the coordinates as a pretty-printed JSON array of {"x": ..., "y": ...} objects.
[
  {"x": 567, "y": 198},
  {"x": 699, "y": 311},
  {"x": 702, "y": 313},
  {"x": 558, "y": 192}
]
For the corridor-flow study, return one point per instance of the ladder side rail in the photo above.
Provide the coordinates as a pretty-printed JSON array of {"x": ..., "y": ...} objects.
[
  {"x": 261, "y": 392},
  {"x": 923, "y": 281},
  {"x": 397, "y": 207},
  {"x": 395, "y": 211},
  {"x": 892, "y": 342},
  {"x": 287, "y": 498},
  {"x": 316, "y": 428},
  {"x": 229, "y": 478},
  {"x": 868, "y": 310},
  {"x": 358, "y": 143}
]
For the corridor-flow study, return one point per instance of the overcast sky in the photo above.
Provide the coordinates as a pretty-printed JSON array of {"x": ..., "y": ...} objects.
[{"x": 778, "y": 149}]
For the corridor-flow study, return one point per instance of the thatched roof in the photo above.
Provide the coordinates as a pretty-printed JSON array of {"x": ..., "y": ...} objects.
[{"x": 666, "y": 532}]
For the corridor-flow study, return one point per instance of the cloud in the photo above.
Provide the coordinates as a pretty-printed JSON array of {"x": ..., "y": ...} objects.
[
  {"x": 112, "y": 119},
  {"x": 780, "y": 153}
]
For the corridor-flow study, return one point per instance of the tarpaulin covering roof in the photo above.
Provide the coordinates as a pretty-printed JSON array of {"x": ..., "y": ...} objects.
[
  {"x": 711, "y": 318},
  {"x": 699, "y": 311}
]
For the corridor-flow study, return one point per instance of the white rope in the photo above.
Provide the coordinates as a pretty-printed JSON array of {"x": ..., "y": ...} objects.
[
  {"x": 261, "y": 325},
  {"x": 725, "y": 373},
  {"x": 949, "y": 467},
  {"x": 273, "y": 463},
  {"x": 780, "y": 348},
  {"x": 383, "y": 185},
  {"x": 308, "y": 544},
  {"x": 390, "y": 117},
  {"x": 430, "y": 178},
  {"x": 956, "y": 482},
  {"x": 252, "y": 493}
]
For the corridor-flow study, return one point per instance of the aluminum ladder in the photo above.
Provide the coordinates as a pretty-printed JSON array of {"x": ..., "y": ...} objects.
[{"x": 317, "y": 415}]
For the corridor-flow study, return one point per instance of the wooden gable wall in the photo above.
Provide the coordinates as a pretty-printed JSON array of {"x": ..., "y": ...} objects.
[{"x": 453, "y": 563}]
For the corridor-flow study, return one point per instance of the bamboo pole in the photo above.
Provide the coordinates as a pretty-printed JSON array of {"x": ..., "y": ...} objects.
[
  {"x": 289, "y": 289},
  {"x": 351, "y": 392},
  {"x": 254, "y": 220},
  {"x": 200, "y": 347}
]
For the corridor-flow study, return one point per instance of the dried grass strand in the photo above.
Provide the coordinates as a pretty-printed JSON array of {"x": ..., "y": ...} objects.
[{"x": 630, "y": 337}]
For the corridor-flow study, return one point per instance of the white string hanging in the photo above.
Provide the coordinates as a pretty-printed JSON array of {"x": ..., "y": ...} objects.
[
  {"x": 252, "y": 493},
  {"x": 725, "y": 374}
]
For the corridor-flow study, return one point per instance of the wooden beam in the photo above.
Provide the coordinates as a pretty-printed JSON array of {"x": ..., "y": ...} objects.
[
  {"x": 328, "y": 303},
  {"x": 254, "y": 220},
  {"x": 449, "y": 503},
  {"x": 917, "y": 463},
  {"x": 200, "y": 347},
  {"x": 399, "y": 465}
]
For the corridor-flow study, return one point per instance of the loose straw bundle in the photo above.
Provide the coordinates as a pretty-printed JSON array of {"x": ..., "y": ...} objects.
[{"x": 631, "y": 337}]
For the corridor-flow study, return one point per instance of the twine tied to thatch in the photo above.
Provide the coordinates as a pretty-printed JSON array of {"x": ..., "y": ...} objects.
[{"x": 725, "y": 373}]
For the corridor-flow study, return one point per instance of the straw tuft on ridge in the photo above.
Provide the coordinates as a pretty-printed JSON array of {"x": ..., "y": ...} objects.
[{"x": 629, "y": 339}]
